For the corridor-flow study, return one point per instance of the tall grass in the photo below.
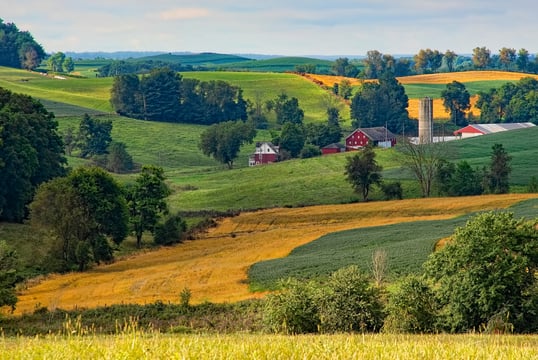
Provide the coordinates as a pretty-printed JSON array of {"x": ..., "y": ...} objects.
[{"x": 135, "y": 344}]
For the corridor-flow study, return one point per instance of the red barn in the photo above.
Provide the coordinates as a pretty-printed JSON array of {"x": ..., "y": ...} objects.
[
  {"x": 265, "y": 153},
  {"x": 484, "y": 129},
  {"x": 333, "y": 148},
  {"x": 375, "y": 136}
]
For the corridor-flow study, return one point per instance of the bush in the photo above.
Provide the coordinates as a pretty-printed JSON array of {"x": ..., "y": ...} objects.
[
  {"x": 310, "y": 151},
  {"x": 170, "y": 231},
  {"x": 293, "y": 310},
  {"x": 411, "y": 308},
  {"x": 392, "y": 190},
  {"x": 349, "y": 302}
]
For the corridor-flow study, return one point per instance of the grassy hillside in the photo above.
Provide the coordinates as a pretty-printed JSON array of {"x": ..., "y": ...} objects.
[{"x": 280, "y": 64}]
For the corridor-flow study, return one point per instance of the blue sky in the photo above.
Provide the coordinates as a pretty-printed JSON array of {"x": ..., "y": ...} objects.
[{"x": 278, "y": 27}]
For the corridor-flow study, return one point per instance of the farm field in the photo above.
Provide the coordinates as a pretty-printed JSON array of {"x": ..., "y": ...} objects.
[
  {"x": 215, "y": 266},
  {"x": 135, "y": 344}
]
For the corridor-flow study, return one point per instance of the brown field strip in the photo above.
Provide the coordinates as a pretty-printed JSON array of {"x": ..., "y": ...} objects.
[{"x": 215, "y": 266}]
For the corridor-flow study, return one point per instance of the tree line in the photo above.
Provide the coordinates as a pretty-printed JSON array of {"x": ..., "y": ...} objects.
[
  {"x": 18, "y": 49},
  {"x": 123, "y": 67},
  {"x": 164, "y": 95}
]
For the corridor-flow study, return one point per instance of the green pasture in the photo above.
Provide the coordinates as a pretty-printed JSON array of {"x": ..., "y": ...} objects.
[
  {"x": 407, "y": 246},
  {"x": 280, "y": 64},
  {"x": 267, "y": 86},
  {"x": 417, "y": 91}
]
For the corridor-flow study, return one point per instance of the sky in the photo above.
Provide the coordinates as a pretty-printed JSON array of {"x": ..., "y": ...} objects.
[{"x": 276, "y": 27}]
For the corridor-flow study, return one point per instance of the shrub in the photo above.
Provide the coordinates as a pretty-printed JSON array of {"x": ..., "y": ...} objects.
[
  {"x": 310, "y": 151},
  {"x": 392, "y": 190},
  {"x": 170, "y": 231},
  {"x": 411, "y": 308},
  {"x": 349, "y": 302},
  {"x": 292, "y": 310}
]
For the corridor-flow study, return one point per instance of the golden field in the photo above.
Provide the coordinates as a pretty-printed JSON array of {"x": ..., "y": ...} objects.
[
  {"x": 439, "y": 111},
  {"x": 215, "y": 266},
  {"x": 150, "y": 345}
]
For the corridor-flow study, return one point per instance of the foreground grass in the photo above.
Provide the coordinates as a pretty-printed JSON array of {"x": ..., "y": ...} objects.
[{"x": 134, "y": 344}]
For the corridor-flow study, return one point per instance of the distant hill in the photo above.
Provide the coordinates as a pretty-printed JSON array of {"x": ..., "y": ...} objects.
[{"x": 202, "y": 59}]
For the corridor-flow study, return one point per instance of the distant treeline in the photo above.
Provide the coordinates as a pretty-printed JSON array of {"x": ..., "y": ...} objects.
[
  {"x": 124, "y": 67},
  {"x": 18, "y": 49},
  {"x": 164, "y": 95}
]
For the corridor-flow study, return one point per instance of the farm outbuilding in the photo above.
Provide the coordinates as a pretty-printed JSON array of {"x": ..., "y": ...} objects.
[
  {"x": 484, "y": 129},
  {"x": 265, "y": 153},
  {"x": 375, "y": 136},
  {"x": 333, "y": 148}
]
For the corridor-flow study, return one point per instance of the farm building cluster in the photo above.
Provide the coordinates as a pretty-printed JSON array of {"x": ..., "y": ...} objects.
[{"x": 267, "y": 153}]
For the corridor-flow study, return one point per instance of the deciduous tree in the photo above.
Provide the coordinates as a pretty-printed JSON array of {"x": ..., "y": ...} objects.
[
  {"x": 486, "y": 274},
  {"x": 8, "y": 275},
  {"x": 363, "y": 171},
  {"x": 457, "y": 100},
  {"x": 146, "y": 201},
  {"x": 499, "y": 171},
  {"x": 223, "y": 141}
]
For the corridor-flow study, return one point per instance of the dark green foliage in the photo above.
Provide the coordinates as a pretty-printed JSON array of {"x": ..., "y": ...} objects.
[
  {"x": 392, "y": 190},
  {"x": 94, "y": 136},
  {"x": 349, "y": 302},
  {"x": 512, "y": 102},
  {"x": 146, "y": 200},
  {"x": 533, "y": 185},
  {"x": 31, "y": 152},
  {"x": 310, "y": 151},
  {"x": 118, "y": 160},
  {"x": 343, "y": 67},
  {"x": 499, "y": 171},
  {"x": 382, "y": 103},
  {"x": 486, "y": 272},
  {"x": 8, "y": 275},
  {"x": 163, "y": 95},
  {"x": 459, "y": 180},
  {"x": 160, "y": 93},
  {"x": 411, "y": 307},
  {"x": 170, "y": 231},
  {"x": 456, "y": 100},
  {"x": 362, "y": 171},
  {"x": 292, "y": 138},
  {"x": 292, "y": 310},
  {"x": 18, "y": 49},
  {"x": 83, "y": 211},
  {"x": 287, "y": 109},
  {"x": 223, "y": 141}
]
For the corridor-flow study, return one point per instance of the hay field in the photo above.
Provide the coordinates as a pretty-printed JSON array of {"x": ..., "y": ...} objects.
[{"x": 215, "y": 266}]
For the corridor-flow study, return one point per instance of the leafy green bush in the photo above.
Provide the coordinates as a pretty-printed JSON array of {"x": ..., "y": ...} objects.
[
  {"x": 292, "y": 310},
  {"x": 349, "y": 302},
  {"x": 170, "y": 231},
  {"x": 411, "y": 307}
]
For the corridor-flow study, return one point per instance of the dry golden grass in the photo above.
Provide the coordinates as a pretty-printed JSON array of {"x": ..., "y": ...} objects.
[
  {"x": 439, "y": 111},
  {"x": 215, "y": 267}
]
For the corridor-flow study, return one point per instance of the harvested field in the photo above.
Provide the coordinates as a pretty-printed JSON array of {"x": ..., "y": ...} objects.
[{"x": 215, "y": 266}]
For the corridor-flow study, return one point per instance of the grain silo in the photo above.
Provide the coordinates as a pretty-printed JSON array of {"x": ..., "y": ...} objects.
[{"x": 425, "y": 121}]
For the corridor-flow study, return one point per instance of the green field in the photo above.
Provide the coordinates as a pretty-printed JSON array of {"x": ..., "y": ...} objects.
[{"x": 407, "y": 246}]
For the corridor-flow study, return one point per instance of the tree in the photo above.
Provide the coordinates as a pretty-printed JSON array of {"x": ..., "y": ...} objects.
[
  {"x": 170, "y": 231},
  {"x": 381, "y": 104},
  {"x": 68, "y": 64},
  {"x": 486, "y": 274},
  {"x": 428, "y": 61},
  {"x": 288, "y": 111},
  {"x": 160, "y": 94},
  {"x": 522, "y": 60},
  {"x": 507, "y": 56},
  {"x": 94, "y": 136},
  {"x": 224, "y": 140},
  {"x": 118, "y": 160},
  {"x": 8, "y": 275},
  {"x": 423, "y": 162},
  {"x": 362, "y": 171},
  {"x": 499, "y": 172},
  {"x": 481, "y": 57},
  {"x": 18, "y": 49},
  {"x": 125, "y": 96},
  {"x": 146, "y": 201},
  {"x": 342, "y": 67},
  {"x": 457, "y": 100},
  {"x": 449, "y": 58},
  {"x": 84, "y": 211},
  {"x": 292, "y": 138},
  {"x": 459, "y": 180},
  {"x": 31, "y": 152},
  {"x": 56, "y": 61}
]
